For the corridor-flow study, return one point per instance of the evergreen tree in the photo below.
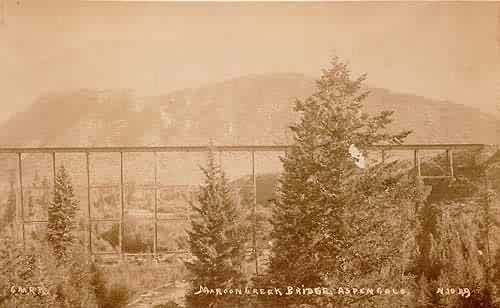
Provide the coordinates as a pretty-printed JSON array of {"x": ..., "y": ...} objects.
[
  {"x": 309, "y": 227},
  {"x": 456, "y": 221},
  {"x": 61, "y": 216},
  {"x": 216, "y": 241}
]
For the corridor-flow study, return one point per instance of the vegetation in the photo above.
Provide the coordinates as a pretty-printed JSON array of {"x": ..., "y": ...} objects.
[
  {"x": 317, "y": 215},
  {"x": 114, "y": 296},
  {"x": 61, "y": 217},
  {"x": 134, "y": 241},
  {"x": 216, "y": 242},
  {"x": 9, "y": 212},
  {"x": 65, "y": 284},
  {"x": 331, "y": 221},
  {"x": 457, "y": 220},
  {"x": 59, "y": 266},
  {"x": 169, "y": 304}
]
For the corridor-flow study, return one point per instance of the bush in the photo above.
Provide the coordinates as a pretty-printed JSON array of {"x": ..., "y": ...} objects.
[
  {"x": 169, "y": 304},
  {"x": 67, "y": 285},
  {"x": 115, "y": 296},
  {"x": 134, "y": 239}
]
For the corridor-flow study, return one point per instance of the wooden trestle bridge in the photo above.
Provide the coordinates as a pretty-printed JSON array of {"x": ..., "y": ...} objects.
[{"x": 251, "y": 149}]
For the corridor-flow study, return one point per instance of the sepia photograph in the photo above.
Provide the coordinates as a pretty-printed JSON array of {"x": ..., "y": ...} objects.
[{"x": 249, "y": 154}]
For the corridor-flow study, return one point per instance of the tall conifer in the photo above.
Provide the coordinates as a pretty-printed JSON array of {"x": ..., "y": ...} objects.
[
  {"x": 309, "y": 230},
  {"x": 61, "y": 216},
  {"x": 216, "y": 242}
]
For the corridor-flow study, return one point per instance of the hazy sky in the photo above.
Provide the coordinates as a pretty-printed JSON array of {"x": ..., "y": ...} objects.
[{"x": 446, "y": 51}]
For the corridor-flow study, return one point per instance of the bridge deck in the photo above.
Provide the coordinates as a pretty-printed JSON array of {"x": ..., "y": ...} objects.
[{"x": 226, "y": 148}]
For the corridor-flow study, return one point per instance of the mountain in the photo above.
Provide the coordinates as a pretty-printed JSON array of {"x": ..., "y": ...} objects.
[
  {"x": 249, "y": 110},
  {"x": 84, "y": 117}
]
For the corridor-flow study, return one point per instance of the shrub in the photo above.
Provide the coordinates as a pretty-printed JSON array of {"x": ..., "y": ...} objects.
[
  {"x": 115, "y": 296},
  {"x": 169, "y": 304},
  {"x": 68, "y": 285}
]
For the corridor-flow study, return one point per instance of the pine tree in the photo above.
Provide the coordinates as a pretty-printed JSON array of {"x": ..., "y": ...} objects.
[
  {"x": 309, "y": 227},
  {"x": 216, "y": 241},
  {"x": 61, "y": 216}
]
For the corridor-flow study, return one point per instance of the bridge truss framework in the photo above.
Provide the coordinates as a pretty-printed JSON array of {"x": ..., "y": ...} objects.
[{"x": 252, "y": 149}]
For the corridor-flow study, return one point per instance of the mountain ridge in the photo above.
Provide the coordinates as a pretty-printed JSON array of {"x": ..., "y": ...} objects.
[{"x": 252, "y": 109}]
